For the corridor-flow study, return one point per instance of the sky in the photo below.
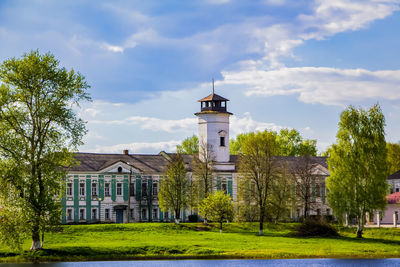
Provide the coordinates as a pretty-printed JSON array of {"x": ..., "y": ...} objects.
[{"x": 281, "y": 63}]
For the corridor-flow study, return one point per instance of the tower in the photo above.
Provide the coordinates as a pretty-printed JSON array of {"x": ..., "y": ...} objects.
[{"x": 214, "y": 128}]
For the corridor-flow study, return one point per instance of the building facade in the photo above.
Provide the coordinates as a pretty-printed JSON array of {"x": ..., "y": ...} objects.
[{"x": 123, "y": 188}]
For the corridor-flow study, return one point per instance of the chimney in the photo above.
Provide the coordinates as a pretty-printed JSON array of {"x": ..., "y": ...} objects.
[{"x": 125, "y": 152}]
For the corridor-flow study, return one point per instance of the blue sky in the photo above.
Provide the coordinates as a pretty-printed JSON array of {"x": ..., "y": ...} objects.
[{"x": 282, "y": 63}]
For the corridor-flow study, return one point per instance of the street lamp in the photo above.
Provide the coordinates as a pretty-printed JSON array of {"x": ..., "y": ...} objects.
[{"x": 100, "y": 209}]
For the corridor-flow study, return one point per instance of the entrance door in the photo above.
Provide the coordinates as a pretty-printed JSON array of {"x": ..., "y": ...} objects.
[{"x": 120, "y": 216}]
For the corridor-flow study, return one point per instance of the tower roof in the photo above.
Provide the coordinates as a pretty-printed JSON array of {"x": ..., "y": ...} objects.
[{"x": 213, "y": 97}]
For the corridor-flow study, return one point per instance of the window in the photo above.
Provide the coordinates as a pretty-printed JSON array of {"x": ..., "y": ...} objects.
[
  {"x": 107, "y": 214},
  {"x": 119, "y": 189},
  {"x": 155, "y": 189},
  {"x": 81, "y": 189},
  {"x": 69, "y": 214},
  {"x": 132, "y": 214},
  {"x": 132, "y": 189},
  {"x": 397, "y": 189},
  {"x": 81, "y": 214},
  {"x": 318, "y": 190},
  {"x": 166, "y": 215},
  {"x": 69, "y": 189},
  {"x": 94, "y": 189},
  {"x": 224, "y": 187},
  {"x": 222, "y": 140},
  {"x": 144, "y": 214},
  {"x": 119, "y": 169},
  {"x": 107, "y": 189},
  {"x": 94, "y": 214},
  {"x": 328, "y": 212},
  {"x": 144, "y": 189},
  {"x": 155, "y": 211}
]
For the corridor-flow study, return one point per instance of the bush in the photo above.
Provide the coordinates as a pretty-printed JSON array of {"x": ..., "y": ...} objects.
[
  {"x": 193, "y": 218},
  {"x": 315, "y": 228}
]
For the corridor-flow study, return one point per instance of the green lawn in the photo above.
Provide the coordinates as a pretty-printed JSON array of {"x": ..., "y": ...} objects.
[{"x": 162, "y": 240}]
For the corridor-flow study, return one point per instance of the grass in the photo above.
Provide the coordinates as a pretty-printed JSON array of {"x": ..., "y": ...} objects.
[{"x": 196, "y": 241}]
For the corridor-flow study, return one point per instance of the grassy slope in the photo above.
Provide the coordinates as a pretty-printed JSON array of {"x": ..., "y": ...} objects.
[{"x": 155, "y": 240}]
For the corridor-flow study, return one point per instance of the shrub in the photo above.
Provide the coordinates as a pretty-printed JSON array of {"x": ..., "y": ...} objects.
[
  {"x": 315, "y": 228},
  {"x": 193, "y": 218}
]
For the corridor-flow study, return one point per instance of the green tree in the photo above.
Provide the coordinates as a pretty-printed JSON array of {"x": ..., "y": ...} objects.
[
  {"x": 259, "y": 168},
  {"x": 358, "y": 165},
  {"x": 175, "y": 188},
  {"x": 291, "y": 143},
  {"x": 38, "y": 129},
  {"x": 393, "y": 156},
  {"x": 189, "y": 146},
  {"x": 203, "y": 164},
  {"x": 218, "y": 207}
]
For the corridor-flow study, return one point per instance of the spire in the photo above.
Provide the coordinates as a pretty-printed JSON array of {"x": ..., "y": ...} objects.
[{"x": 213, "y": 84}]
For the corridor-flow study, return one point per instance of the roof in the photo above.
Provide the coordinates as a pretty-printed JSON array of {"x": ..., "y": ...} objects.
[
  {"x": 157, "y": 163},
  {"x": 95, "y": 162},
  {"x": 393, "y": 198},
  {"x": 213, "y": 97},
  {"x": 395, "y": 175}
]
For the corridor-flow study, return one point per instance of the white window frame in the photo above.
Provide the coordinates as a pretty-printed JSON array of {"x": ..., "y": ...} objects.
[
  {"x": 82, "y": 188},
  {"x": 95, "y": 213},
  {"x": 94, "y": 189},
  {"x": 107, "y": 211},
  {"x": 70, "y": 218},
  {"x": 70, "y": 189},
  {"x": 107, "y": 191},
  {"x": 156, "y": 188},
  {"x": 119, "y": 186},
  {"x": 82, "y": 218},
  {"x": 155, "y": 217}
]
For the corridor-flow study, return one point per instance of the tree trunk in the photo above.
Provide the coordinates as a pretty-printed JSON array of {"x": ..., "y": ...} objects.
[
  {"x": 260, "y": 232},
  {"x": 177, "y": 215},
  {"x": 35, "y": 238},
  {"x": 360, "y": 227},
  {"x": 220, "y": 227}
]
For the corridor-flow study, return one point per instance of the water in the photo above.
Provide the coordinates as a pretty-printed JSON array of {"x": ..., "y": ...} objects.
[{"x": 224, "y": 263}]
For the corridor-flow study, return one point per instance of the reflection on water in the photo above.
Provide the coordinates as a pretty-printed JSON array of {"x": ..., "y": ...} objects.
[{"x": 224, "y": 263}]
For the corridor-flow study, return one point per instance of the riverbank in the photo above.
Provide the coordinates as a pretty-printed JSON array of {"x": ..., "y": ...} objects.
[{"x": 196, "y": 241}]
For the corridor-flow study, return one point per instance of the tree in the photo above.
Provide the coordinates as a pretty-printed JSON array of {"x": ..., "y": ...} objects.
[
  {"x": 393, "y": 156},
  {"x": 258, "y": 168},
  {"x": 281, "y": 196},
  {"x": 217, "y": 207},
  {"x": 174, "y": 191},
  {"x": 203, "y": 164},
  {"x": 38, "y": 129},
  {"x": 291, "y": 143},
  {"x": 189, "y": 146},
  {"x": 358, "y": 165},
  {"x": 307, "y": 184}
]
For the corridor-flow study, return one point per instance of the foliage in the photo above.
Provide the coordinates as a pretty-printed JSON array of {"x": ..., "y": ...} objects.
[
  {"x": 393, "y": 150},
  {"x": 291, "y": 143},
  {"x": 189, "y": 146},
  {"x": 315, "y": 228},
  {"x": 258, "y": 168},
  {"x": 217, "y": 207},
  {"x": 281, "y": 199},
  {"x": 358, "y": 165},
  {"x": 307, "y": 185},
  {"x": 38, "y": 129},
  {"x": 203, "y": 172},
  {"x": 174, "y": 191}
]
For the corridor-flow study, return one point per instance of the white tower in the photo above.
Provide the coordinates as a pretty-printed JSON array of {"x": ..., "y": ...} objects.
[{"x": 214, "y": 128}]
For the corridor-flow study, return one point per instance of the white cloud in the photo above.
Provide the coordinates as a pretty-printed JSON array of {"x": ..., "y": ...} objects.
[
  {"x": 248, "y": 124},
  {"x": 112, "y": 48},
  {"x": 328, "y": 86},
  {"x": 154, "y": 124},
  {"x": 139, "y": 147}
]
